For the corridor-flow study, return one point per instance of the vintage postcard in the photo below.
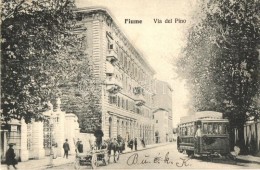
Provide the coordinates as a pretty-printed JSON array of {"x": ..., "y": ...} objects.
[{"x": 130, "y": 84}]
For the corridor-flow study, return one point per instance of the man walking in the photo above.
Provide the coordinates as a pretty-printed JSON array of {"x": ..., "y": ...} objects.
[
  {"x": 98, "y": 134},
  {"x": 135, "y": 142},
  {"x": 10, "y": 157},
  {"x": 131, "y": 143},
  {"x": 80, "y": 147},
  {"x": 66, "y": 148}
]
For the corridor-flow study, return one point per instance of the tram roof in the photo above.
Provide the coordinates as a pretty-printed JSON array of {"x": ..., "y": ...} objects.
[{"x": 208, "y": 115}]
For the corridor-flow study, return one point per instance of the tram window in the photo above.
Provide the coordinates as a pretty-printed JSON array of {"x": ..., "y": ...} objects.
[
  {"x": 224, "y": 129},
  {"x": 215, "y": 128},
  {"x": 221, "y": 129},
  {"x": 192, "y": 130},
  {"x": 188, "y": 130},
  {"x": 185, "y": 131},
  {"x": 210, "y": 128},
  {"x": 205, "y": 128}
]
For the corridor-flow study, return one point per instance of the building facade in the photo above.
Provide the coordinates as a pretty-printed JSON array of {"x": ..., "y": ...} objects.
[
  {"x": 125, "y": 77},
  {"x": 163, "y": 112}
]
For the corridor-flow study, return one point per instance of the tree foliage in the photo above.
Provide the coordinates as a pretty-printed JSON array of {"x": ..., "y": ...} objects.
[
  {"x": 220, "y": 60},
  {"x": 43, "y": 57}
]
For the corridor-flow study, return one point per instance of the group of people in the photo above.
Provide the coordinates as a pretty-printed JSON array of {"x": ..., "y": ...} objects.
[
  {"x": 66, "y": 147},
  {"x": 10, "y": 154},
  {"x": 132, "y": 143}
]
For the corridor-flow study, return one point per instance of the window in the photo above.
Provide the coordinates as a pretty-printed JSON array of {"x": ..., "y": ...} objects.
[
  {"x": 138, "y": 110},
  {"x": 156, "y": 121},
  {"x": 118, "y": 101},
  {"x": 110, "y": 44},
  {"x": 188, "y": 130},
  {"x": 192, "y": 130},
  {"x": 205, "y": 128},
  {"x": 215, "y": 128},
  {"x": 125, "y": 61},
  {"x": 126, "y": 105},
  {"x": 210, "y": 128},
  {"x": 223, "y": 128},
  {"x": 129, "y": 66},
  {"x": 112, "y": 100},
  {"x": 120, "y": 56},
  {"x": 123, "y": 103}
]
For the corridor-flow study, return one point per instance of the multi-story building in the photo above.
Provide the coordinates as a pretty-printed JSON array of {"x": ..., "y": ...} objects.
[
  {"x": 124, "y": 75},
  {"x": 125, "y": 84},
  {"x": 163, "y": 111}
]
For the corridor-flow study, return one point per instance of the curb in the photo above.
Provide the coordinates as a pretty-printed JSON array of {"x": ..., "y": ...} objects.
[
  {"x": 145, "y": 148},
  {"x": 246, "y": 161}
]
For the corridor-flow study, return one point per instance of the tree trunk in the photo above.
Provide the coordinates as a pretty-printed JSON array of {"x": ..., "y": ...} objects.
[
  {"x": 241, "y": 140},
  {"x": 232, "y": 138}
]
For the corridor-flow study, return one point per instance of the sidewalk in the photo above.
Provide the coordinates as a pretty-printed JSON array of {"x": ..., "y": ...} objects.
[{"x": 42, "y": 164}]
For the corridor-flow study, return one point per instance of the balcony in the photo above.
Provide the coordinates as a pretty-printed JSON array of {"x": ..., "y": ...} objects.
[
  {"x": 109, "y": 69},
  {"x": 139, "y": 100},
  {"x": 138, "y": 91},
  {"x": 113, "y": 85},
  {"x": 112, "y": 56}
]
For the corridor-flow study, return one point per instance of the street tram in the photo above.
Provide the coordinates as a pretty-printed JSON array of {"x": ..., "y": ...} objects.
[{"x": 203, "y": 134}]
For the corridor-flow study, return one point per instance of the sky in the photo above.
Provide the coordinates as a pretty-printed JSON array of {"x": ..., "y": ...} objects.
[{"x": 160, "y": 43}]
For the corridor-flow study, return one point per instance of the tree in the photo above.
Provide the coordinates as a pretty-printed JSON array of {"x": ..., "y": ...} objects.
[
  {"x": 44, "y": 57},
  {"x": 40, "y": 52},
  {"x": 220, "y": 61}
]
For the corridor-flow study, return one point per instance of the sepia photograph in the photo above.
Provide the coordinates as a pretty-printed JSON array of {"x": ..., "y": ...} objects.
[{"x": 130, "y": 84}]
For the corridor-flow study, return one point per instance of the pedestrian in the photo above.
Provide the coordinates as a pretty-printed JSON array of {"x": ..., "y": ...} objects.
[
  {"x": 135, "y": 142},
  {"x": 76, "y": 145},
  {"x": 178, "y": 142},
  {"x": 198, "y": 135},
  {"x": 143, "y": 143},
  {"x": 80, "y": 147},
  {"x": 10, "y": 157},
  {"x": 131, "y": 143},
  {"x": 66, "y": 148},
  {"x": 98, "y": 134}
]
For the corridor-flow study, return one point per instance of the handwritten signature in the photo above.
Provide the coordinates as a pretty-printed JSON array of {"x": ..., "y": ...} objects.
[{"x": 134, "y": 159}]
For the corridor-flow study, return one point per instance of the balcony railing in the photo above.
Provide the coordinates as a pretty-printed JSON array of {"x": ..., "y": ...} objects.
[
  {"x": 138, "y": 91},
  {"x": 112, "y": 56},
  {"x": 113, "y": 85},
  {"x": 139, "y": 100},
  {"x": 109, "y": 69}
]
